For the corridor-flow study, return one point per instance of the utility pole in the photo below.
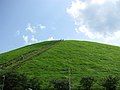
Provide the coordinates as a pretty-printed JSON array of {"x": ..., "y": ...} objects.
[{"x": 69, "y": 79}]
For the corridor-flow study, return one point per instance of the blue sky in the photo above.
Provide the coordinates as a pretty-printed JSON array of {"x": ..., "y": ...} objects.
[{"x": 24, "y": 22}]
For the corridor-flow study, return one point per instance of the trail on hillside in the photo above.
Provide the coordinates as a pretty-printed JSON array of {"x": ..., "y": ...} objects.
[{"x": 16, "y": 62}]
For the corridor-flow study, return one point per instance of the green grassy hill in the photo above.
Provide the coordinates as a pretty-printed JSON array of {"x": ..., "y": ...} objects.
[{"x": 56, "y": 59}]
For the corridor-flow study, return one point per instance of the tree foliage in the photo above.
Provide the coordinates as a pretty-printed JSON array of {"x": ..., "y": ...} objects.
[
  {"x": 86, "y": 83},
  {"x": 62, "y": 84},
  {"x": 110, "y": 83},
  {"x": 17, "y": 81}
]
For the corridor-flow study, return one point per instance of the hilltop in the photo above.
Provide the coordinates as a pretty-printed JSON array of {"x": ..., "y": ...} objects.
[{"x": 69, "y": 58}]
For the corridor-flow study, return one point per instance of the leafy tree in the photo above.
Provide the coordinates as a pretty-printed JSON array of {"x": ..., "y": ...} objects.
[
  {"x": 110, "y": 83},
  {"x": 34, "y": 84},
  {"x": 17, "y": 81},
  {"x": 86, "y": 83},
  {"x": 62, "y": 84}
]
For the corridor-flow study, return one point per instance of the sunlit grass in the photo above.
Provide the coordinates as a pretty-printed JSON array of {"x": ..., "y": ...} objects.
[{"x": 80, "y": 57}]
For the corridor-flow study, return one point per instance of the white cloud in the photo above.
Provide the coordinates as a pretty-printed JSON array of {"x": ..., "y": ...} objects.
[
  {"x": 98, "y": 1},
  {"x": 31, "y": 28},
  {"x": 113, "y": 38},
  {"x": 51, "y": 38},
  {"x": 33, "y": 39},
  {"x": 98, "y": 20},
  {"x": 25, "y": 38},
  {"x": 29, "y": 40},
  {"x": 84, "y": 29},
  {"x": 42, "y": 26},
  {"x": 31, "y": 33},
  {"x": 75, "y": 7}
]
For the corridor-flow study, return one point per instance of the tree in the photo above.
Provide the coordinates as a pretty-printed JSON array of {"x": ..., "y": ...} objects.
[
  {"x": 110, "y": 83},
  {"x": 62, "y": 84},
  {"x": 34, "y": 84},
  {"x": 17, "y": 81},
  {"x": 86, "y": 83}
]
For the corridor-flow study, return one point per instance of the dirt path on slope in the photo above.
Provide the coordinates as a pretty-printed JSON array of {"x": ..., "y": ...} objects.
[{"x": 16, "y": 62}]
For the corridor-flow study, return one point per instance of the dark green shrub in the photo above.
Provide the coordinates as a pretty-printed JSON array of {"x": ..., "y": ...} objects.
[
  {"x": 110, "y": 83},
  {"x": 62, "y": 84},
  {"x": 13, "y": 80},
  {"x": 86, "y": 83},
  {"x": 33, "y": 84},
  {"x": 17, "y": 81}
]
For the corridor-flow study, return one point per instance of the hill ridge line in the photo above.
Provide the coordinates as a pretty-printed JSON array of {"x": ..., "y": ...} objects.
[{"x": 27, "y": 56}]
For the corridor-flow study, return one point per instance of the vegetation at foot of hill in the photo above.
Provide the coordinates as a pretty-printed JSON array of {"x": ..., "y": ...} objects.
[
  {"x": 110, "y": 83},
  {"x": 86, "y": 83},
  {"x": 17, "y": 81},
  {"x": 62, "y": 84}
]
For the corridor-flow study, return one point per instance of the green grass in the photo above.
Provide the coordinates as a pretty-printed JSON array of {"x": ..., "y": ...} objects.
[{"x": 81, "y": 57}]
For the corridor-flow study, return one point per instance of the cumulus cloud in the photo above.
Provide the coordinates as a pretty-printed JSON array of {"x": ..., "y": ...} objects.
[
  {"x": 29, "y": 40},
  {"x": 31, "y": 28},
  {"x": 75, "y": 7},
  {"x": 31, "y": 32},
  {"x": 51, "y": 38},
  {"x": 97, "y": 19}
]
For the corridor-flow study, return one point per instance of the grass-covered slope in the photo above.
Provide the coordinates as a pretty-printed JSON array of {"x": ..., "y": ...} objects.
[{"x": 56, "y": 59}]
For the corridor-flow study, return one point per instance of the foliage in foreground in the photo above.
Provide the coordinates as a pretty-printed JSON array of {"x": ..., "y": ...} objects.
[
  {"x": 62, "y": 84},
  {"x": 17, "y": 81},
  {"x": 86, "y": 83},
  {"x": 110, "y": 83}
]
